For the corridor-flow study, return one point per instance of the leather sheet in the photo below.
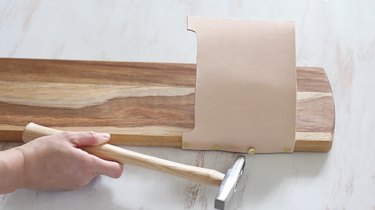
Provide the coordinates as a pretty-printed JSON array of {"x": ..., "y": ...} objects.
[{"x": 246, "y": 86}]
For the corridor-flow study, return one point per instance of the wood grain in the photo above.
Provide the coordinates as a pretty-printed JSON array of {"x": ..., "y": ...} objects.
[{"x": 148, "y": 104}]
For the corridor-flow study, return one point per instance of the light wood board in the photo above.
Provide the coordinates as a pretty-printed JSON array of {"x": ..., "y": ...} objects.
[{"x": 146, "y": 104}]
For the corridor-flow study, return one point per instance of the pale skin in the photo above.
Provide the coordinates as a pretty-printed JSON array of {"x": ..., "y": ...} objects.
[{"x": 55, "y": 162}]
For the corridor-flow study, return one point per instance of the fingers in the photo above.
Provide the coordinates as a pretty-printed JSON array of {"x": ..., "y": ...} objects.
[
  {"x": 98, "y": 165},
  {"x": 86, "y": 138},
  {"x": 107, "y": 168}
]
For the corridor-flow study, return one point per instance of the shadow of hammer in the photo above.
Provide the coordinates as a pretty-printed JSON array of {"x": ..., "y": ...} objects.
[{"x": 228, "y": 182}]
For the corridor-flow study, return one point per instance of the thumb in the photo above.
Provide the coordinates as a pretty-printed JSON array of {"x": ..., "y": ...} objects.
[{"x": 87, "y": 138}]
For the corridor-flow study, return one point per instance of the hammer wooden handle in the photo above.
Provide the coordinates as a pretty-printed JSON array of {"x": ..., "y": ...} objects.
[{"x": 124, "y": 156}]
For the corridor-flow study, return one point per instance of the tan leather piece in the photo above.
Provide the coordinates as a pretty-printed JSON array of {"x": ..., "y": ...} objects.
[{"x": 246, "y": 86}]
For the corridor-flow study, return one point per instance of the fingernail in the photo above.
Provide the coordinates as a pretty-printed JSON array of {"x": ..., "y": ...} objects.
[{"x": 104, "y": 136}]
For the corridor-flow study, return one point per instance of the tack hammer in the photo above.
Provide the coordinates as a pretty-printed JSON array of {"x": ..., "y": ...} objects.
[{"x": 228, "y": 182}]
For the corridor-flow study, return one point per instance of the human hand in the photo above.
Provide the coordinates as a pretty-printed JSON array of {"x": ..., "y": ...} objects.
[{"x": 56, "y": 163}]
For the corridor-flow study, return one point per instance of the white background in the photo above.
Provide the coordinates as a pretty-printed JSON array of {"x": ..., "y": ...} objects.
[{"x": 336, "y": 35}]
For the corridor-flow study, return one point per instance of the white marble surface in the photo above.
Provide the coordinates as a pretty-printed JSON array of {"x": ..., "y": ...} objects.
[{"x": 336, "y": 35}]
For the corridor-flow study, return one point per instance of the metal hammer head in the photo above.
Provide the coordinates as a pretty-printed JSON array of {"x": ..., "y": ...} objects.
[{"x": 229, "y": 184}]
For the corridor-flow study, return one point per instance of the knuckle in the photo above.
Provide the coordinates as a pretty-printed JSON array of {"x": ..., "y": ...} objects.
[
  {"x": 117, "y": 174},
  {"x": 88, "y": 167},
  {"x": 92, "y": 136},
  {"x": 83, "y": 183},
  {"x": 75, "y": 185},
  {"x": 72, "y": 186},
  {"x": 80, "y": 181},
  {"x": 68, "y": 135}
]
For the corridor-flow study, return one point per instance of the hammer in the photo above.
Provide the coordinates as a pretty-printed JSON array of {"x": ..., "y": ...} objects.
[{"x": 227, "y": 182}]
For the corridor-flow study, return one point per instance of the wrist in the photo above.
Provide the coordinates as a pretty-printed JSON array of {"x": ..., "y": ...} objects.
[
  {"x": 18, "y": 167},
  {"x": 20, "y": 177},
  {"x": 11, "y": 170}
]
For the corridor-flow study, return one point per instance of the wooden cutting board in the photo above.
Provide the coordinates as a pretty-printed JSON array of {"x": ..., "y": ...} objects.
[{"x": 147, "y": 104}]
